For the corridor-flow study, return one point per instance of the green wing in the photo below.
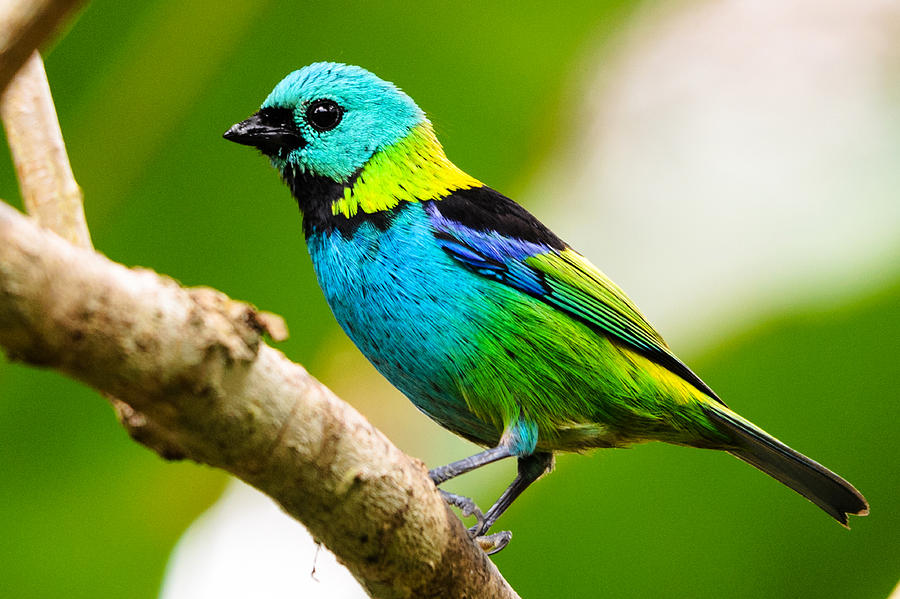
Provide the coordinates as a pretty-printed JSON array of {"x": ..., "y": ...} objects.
[
  {"x": 567, "y": 281},
  {"x": 576, "y": 286}
]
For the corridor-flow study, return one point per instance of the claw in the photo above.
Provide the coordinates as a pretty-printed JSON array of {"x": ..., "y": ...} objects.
[{"x": 494, "y": 543}]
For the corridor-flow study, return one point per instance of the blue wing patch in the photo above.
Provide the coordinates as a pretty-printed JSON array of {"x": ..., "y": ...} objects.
[{"x": 515, "y": 274}]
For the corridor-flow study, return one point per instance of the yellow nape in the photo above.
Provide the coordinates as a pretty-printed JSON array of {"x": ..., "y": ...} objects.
[{"x": 412, "y": 170}]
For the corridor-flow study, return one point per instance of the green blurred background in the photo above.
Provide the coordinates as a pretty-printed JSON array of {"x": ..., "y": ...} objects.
[{"x": 144, "y": 91}]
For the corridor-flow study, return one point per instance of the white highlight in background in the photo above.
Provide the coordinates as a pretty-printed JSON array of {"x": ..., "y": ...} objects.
[{"x": 245, "y": 546}]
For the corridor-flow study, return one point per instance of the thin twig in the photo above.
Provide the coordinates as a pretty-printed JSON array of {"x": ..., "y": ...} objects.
[{"x": 48, "y": 186}]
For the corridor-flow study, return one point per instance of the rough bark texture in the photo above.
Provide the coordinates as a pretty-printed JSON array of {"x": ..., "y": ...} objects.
[{"x": 197, "y": 381}]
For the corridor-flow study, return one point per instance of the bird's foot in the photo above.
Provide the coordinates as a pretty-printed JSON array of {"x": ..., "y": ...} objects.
[
  {"x": 465, "y": 505},
  {"x": 493, "y": 543},
  {"x": 490, "y": 544}
]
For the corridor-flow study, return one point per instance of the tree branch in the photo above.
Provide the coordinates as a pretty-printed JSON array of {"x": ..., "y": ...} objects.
[
  {"x": 199, "y": 382},
  {"x": 198, "y": 379},
  {"x": 24, "y": 26}
]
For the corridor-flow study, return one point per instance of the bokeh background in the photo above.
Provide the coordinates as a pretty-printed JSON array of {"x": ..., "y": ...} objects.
[{"x": 734, "y": 165}]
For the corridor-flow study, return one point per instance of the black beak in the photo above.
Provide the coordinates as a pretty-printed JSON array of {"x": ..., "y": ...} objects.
[{"x": 266, "y": 133}]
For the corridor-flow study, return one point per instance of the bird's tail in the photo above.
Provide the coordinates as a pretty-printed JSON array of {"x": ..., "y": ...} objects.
[{"x": 812, "y": 480}]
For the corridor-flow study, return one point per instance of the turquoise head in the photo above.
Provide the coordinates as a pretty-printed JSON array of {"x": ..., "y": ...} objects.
[{"x": 327, "y": 120}]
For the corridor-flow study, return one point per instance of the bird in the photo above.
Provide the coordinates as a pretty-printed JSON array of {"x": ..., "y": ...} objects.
[{"x": 477, "y": 312}]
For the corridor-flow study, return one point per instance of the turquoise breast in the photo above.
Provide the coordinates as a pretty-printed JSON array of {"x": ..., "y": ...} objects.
[{"x": 410, "y": 309}]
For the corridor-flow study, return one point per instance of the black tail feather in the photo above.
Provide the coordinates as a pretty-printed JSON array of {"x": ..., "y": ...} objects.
[{"x": 812, "y": 480}]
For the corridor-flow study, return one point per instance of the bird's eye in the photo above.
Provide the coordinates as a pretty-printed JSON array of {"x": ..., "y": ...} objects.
[{"x": 324, "y": 115}]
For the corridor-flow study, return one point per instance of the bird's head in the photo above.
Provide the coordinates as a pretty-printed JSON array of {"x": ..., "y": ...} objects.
[{"x": 327, "y": 120}]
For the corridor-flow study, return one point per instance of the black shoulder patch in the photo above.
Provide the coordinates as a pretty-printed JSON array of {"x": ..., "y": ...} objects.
[
  {"x": 483, "y": 209},
  {"x": 315, "y": 194}
]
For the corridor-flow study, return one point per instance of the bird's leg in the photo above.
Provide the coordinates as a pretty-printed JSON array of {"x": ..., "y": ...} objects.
[
  {"x": 454, "y": 469},
  {"x": 531, "y": 467}
]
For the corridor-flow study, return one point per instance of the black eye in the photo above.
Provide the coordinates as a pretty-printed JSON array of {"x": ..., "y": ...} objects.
[{"x": 324, "y": 115}]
